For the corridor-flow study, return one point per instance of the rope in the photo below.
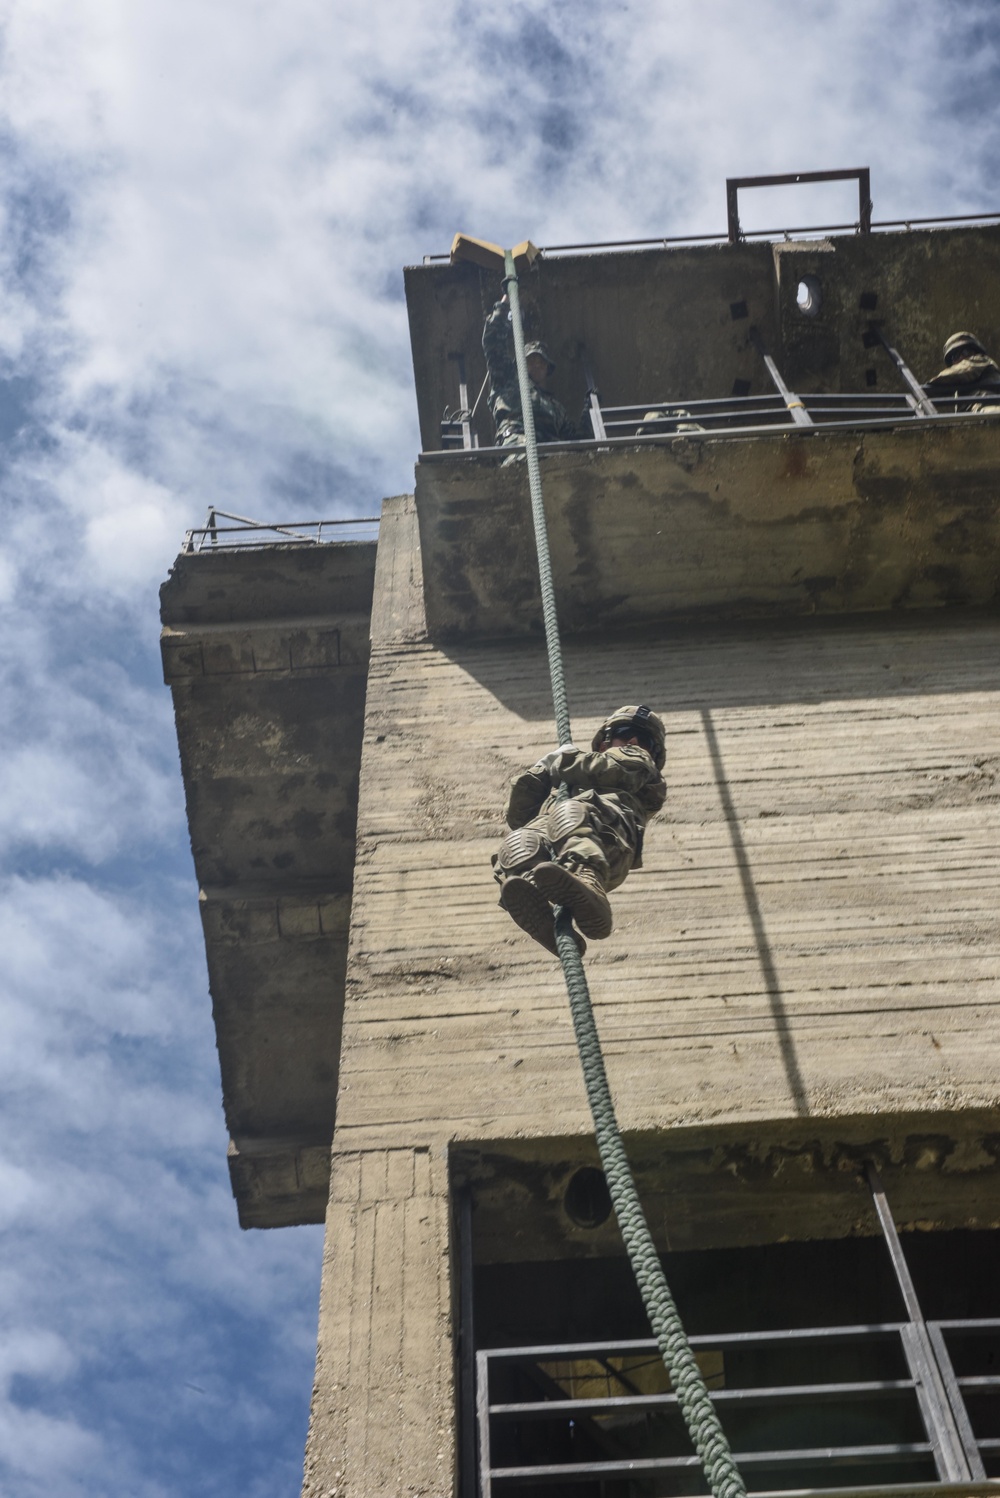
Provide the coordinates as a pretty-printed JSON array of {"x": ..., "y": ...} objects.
[{"x": 686, "y": 1378}]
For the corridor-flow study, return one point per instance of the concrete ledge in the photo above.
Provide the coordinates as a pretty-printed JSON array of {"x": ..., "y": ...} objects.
[
  {"x": 266, "y": 653},
  {"x": 278, "y": 1185},
  {"x": 824, "y": 522}
]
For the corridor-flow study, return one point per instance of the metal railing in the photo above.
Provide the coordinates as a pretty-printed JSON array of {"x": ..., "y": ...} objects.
[
  {"x": 736, "y": 416},
  {"x": 741, "y": 414},
  {"x": 241, "y": 531},
  {"x": 857, "y": 1406},
  {"x": 664, "y": 241}
]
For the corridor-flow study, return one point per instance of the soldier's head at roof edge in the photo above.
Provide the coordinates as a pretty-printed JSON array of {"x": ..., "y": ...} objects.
[{"x": 960, "y": 346}]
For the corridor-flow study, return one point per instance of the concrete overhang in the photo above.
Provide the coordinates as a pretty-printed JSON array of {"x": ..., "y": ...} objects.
[
  {"x": 819, "y": 520},
  {"x": 266, "y": 653}
]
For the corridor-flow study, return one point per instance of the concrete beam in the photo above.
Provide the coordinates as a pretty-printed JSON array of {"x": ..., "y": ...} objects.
[
  {"x": 820, "y": 522},
  {"x": 266, "y": 653}
]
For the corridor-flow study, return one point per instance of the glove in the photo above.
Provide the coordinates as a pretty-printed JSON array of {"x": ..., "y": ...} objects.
[{"x": 550, "y": 761}]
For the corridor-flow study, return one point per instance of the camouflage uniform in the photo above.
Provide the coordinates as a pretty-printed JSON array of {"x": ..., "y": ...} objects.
[
  {"x": 612, "y": 795},
  {"x": 973, "y": 382},
  {"x": 551, "y": 422}
]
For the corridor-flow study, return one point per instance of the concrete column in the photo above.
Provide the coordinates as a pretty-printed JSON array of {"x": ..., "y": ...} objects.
[{"x": 383, "y": 1411}]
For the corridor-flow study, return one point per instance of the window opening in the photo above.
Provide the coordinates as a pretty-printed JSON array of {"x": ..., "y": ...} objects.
[{"x": 827, "y": 1367}]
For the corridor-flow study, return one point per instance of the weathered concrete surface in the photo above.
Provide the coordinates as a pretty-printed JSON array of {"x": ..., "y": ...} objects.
[
  {"x": 383, "y": 1410},
  {"x": 266, "y": 652},
  {"x": 672, "y": 324},
  {"x": 825, "y": 522},
  {"x": 806, "y": 969},
  {"x": 814, "y": 933},
  {"x": 709, "y": 1188}
]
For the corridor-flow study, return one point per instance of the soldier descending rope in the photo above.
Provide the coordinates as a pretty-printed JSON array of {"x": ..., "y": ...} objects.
[
  {"x": 551, "y": 422},
  {"x": 571, "y": 850}
]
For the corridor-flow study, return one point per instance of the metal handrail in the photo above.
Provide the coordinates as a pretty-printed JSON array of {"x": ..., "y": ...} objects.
[
  {"x": 246, "y": 532},
  {"x": 662, "y": 241},
  {"x": 550, "y": 1406}
]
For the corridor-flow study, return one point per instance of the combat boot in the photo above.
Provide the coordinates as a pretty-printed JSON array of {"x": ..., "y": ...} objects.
[
  {"x": 581, "y": 890},
  {"x": 526, "y": 905}
]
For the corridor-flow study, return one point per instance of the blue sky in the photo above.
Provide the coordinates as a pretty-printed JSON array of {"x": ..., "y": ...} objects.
[{"x": 204, "y": 211}]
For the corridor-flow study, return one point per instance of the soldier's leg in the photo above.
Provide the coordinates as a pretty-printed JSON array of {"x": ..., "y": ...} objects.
[
  {"x": 580, "y": 870},
  {"x": 520, "y": 853}
]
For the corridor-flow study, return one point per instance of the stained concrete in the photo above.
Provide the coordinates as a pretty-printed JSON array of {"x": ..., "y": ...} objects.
[
  {"x": 822, "y": 522},
  {"x": 266, "y": 653},
  {"x": 805, "y": 973}
]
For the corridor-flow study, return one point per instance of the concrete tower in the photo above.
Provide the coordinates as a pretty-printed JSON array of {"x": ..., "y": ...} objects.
[{"x": 798, "y": 1004}]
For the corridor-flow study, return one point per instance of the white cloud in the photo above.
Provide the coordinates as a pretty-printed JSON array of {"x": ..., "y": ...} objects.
[{"x": 204, "y": 212}]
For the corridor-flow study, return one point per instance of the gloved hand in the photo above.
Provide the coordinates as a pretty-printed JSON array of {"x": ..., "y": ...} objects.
[{"x": 550, "y": 761}]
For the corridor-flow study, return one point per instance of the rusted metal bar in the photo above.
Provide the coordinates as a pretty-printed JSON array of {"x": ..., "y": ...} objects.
[{"x": 791, "y": 179}]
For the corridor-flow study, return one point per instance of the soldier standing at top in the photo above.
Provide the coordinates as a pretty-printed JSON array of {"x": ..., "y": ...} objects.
[
  {"x": 969, "y": 373},
  {"x": 551, "y": 422},
  {"x": 571, "y": 851}
]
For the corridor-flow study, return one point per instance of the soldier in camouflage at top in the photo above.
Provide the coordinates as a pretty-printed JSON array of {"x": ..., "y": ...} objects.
[
  {"x": 969, "y": 375},
  {"x": 572, "y": 851},
  {"x": 551, "y": 422}
]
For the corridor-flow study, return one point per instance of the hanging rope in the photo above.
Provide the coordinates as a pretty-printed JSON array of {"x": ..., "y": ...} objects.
[{"x": 685, "y": 1376}]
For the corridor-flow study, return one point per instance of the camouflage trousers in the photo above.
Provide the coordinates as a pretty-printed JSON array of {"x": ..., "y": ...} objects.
[
  {"x": 510, "y": 434},
  {"x": 584, "y": 829}
]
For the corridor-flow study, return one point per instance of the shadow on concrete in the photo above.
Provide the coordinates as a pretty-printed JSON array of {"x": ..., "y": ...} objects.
[
  {"x": 766, "y": 957},
  {"x": 880, "y": 657}
]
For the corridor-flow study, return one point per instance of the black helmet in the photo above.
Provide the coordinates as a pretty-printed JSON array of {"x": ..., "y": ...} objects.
[{"x": 646, "y": 726}]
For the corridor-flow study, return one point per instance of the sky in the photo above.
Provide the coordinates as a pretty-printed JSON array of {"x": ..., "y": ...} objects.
[{"x": 204, "y": 212}]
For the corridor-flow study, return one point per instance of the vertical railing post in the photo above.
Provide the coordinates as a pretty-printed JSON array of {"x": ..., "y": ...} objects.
[
  {"x": 463, "y": 400},
  {"x": 793, "y": 405},
  {"x": 466, "y": 1349},
  {"x": 954, "y": 1462},
  {"x": 596, "y": 414},
  {"x": 865, "y": 200},
  {"x": 483, "y": 1420},
  {"x": 874, "y": 336}
]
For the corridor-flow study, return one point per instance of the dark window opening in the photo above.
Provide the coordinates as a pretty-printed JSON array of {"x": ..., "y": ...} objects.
[{"x": 827, "y": 1371}]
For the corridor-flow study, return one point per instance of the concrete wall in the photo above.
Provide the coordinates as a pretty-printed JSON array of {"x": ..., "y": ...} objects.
[
  {"x": 805, "y": 971},
  {"x": 266, "y": 653},
  {"x": 827, "y": 522},
  {"x": 673, "y": 324}
]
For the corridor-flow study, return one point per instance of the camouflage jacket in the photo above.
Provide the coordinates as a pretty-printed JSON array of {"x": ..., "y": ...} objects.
[
  {"x": 551, "y": 422},
  {"x": 622, "y": 783},
  {"x": 976, "y": 375}
]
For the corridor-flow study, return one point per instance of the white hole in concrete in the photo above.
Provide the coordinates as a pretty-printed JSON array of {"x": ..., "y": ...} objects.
[{"x": 808, "y": 296}]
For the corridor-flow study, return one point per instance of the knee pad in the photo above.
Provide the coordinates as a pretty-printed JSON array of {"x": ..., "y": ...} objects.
[
  {"x": 564, "y": 819},
  {"x": 521, "y": 850}
]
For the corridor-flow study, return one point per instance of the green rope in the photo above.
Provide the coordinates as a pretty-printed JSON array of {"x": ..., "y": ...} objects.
[{"x": 688, "y": 1384}]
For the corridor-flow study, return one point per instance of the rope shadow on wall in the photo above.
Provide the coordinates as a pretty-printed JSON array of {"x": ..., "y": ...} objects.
[{"x": 764, "y": 954}]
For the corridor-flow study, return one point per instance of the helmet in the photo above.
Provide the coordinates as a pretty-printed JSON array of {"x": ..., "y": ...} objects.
[
  {"x": 539, "y": 348},
  {"x": 643, "y": 723},
  {"x": 962, "y": 340}
]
